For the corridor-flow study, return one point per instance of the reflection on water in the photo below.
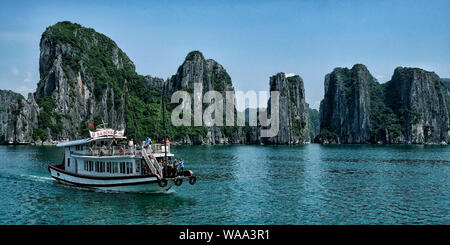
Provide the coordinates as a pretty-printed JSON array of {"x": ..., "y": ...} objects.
[{"x": 312, "y": 184}]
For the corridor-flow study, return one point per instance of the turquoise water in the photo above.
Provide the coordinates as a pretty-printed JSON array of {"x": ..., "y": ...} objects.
[{"x": 312, "y": 184}]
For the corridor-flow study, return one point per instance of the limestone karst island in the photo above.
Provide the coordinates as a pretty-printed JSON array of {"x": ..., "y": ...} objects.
[{"x": 85, "y": 76}]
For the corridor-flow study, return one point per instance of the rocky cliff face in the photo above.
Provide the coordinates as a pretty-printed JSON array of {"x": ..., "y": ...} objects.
[
  {"x": 84, "y": 73},
  {"x": 212, "y": 76},
  {"x": 293, "y": 110},
  {"x": 344, "y": 111},
  {"x": 18, "y": 118},
  {"x": 412, "y": 108},
  {"x": 84, "y": 76},
  {"x": 314, "y": 123},
  {"x": 154, "y": 82},
  {"x": 446, "y": 86},
  {"x": 418, "y": 99}
]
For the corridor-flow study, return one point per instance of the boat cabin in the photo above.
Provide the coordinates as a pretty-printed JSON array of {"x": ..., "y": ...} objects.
[{"x": 108, "y": 154}]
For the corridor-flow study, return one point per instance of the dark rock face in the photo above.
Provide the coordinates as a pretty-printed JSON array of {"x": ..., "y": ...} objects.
[
  {"x": 85, "y": 77},
  {"x": 314, "y": 123},
  {"x": 212, "y": 76},
  {"x": 419, "y": 99},
  {"x": 154, "y": 82},
  {"x": 18, "y": 118},
  {"x": 196, "y": 69},
  {"x": 77, "y": 84},
  {"x": 345, "y": 107},
  {"x": 252, "y": 134},
  {"x": 446, "y": 87},
  {"x": 293, "y": 111},
  {"x": 412, "y": 108}
]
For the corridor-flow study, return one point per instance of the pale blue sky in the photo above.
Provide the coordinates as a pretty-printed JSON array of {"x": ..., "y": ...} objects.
[{"x": 251, "y": 39}]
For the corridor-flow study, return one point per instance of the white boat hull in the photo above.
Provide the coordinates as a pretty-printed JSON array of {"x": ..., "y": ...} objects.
[{"x": 135, "y": 184}]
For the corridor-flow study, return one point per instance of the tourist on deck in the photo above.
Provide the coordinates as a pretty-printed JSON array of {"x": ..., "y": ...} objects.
[
  {"x": 100, "y": 149},
  {"x": 131, "y": 146},
  {"x": 165, "y": 169},
  {"x": 150, "y": 144},
  {"x": 175, "y": 167},
  {"x": 181, "y": 167},
  {"x": 171, "y": 168}
]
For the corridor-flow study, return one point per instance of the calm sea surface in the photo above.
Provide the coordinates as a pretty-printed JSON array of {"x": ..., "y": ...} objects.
[{"x": 312, "y": 184}]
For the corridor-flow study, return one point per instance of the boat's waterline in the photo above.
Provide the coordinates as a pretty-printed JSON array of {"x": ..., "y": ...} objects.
[{"x": 140, "y": 185}]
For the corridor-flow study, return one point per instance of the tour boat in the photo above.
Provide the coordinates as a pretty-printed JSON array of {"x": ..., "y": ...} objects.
[{"x": 101, "y": 162}]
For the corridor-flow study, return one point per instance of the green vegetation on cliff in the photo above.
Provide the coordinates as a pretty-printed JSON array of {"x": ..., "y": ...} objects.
[
  {"x": 104, "y": 67},
  {"x": 314, "y": 123},
  {"x": 97, "y": 53},
  {"x": 382, "y": 117},
  {"x": 446, "y": 87}
]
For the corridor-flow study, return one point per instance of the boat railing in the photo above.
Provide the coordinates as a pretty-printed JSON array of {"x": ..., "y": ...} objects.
[
  {"x": 121, "y": 150},
  {"x": 154, "y": 166},
  {"x": 159, "y": 148},
  {"x": 108, "y": 151}
]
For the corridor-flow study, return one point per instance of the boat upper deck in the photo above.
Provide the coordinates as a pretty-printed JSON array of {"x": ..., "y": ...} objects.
[
  {"x": 110, "y": 143},
  {"x": 117, "y": 151}
]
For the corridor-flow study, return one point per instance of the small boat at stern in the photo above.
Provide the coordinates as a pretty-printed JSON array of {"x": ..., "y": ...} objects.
[{"x": 102, "y": 162}]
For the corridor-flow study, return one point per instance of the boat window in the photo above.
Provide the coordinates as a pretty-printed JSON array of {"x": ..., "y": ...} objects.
[
  {"x": 68, "y": 162},
  {"x": 102, "y": 167},
  {"x": 115, "y": 167},
  {"x": 97, "y": 166},
  {"x": 108, "y": 167},
  {"x": 86, "y": 165},
  {"x": 122, "y": 167},
  {"x": 129, "y": 168},
  {"x": 138, "y": 167},
  {"x": 91, "y": 166}
]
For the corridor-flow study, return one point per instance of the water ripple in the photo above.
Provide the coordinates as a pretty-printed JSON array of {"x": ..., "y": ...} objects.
[{"x": 246, "y": 185}]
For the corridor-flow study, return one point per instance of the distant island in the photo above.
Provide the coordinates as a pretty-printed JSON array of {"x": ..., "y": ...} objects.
[{"x": 85, "y": 77}]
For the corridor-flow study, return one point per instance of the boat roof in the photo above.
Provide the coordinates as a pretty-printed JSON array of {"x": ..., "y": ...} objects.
[
  {"x": 85, "y": 141},
  {"x": 99, "y": 134},
  {"x": 74, "y": 142}
]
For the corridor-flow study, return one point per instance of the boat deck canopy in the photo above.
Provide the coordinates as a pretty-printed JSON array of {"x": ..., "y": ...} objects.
[{"x": 74, "y": 142}]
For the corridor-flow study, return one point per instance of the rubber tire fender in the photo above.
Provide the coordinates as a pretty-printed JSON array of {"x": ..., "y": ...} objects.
[
  {"x": 178, "y": 182},
  {"x": 192, "y": 180},
  {"x": 162, "y": 183}
]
